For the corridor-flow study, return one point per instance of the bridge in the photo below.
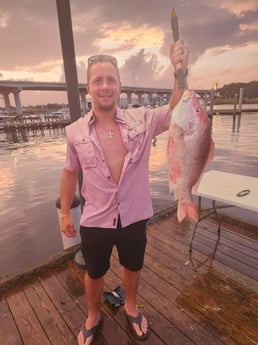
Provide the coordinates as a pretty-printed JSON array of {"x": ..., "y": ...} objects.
[{"x": 15, "y": 87}]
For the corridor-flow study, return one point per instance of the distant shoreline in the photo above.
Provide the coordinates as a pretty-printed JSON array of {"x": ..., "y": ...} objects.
[{"x": 232, "y": 101}]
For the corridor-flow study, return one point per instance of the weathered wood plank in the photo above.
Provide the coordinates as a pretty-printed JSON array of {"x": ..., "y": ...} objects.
[
  {"x": 52, "y": 321},
  {"x": 159, "y": 325},
  {"x": 207, "y": 297},
  {"x": 8, "y": 329},
  {"x": 223, "y": 313},
  {"x": 242, "y": 291},
  {"x": 182, "y": 277},
  {"x": 155, "y": 289},
  {"x": 112, "y": 280},
  {"x": 113, "y": 334},
  {"x": 175, "y": 238},
  {"x": 112, "y": 331},
  {"x": 230, "y": 239},
  {"x": 229, "y": 256},
  {"x": 246, "y": 295},
  {"x": 179, "y": 254},
  {"x": 230, "y": 235},
  {"x": 69, "y": 308},
  {"x": 29, "y": 327},
  {"x": 243, "y": 314}
]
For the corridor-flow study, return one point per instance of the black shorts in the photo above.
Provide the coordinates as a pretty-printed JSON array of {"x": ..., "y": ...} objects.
[{"x": 97, "y": 245}]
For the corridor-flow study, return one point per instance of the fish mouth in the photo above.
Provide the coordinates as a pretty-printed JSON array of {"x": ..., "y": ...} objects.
[{"x": 188, "y": 94}]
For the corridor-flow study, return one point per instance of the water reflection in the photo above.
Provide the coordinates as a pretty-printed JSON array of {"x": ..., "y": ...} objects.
[
  {"x": 236, "y": 123},
  {"x": 30, "y": 174}
]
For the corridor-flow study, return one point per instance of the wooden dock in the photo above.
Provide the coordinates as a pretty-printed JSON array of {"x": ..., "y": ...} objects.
[
  {"x": 19, "y": 129},
  {"x": 207, "y": 298},
  {"x": 33, "y": 123}
]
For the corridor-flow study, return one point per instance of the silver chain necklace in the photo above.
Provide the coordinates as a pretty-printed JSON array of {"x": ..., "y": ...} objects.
[{"x": 110, "y": 132}]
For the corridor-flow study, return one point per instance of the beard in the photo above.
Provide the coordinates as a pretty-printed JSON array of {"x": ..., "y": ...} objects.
[
  {"x": 102, "y": 106},
  {"x": 106, "y": 107}
]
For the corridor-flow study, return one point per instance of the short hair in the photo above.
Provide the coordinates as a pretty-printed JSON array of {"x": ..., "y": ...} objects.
[{"x": 101, "y": 58}]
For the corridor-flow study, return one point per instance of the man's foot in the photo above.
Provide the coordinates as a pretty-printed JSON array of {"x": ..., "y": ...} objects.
[
  {"x": 138, "y": 325},
  {"x": 86, "y": 336}
]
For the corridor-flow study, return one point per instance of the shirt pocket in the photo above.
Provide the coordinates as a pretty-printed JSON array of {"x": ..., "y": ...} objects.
[
  {"x": 136, "y": 138},
  {"x": 86, "y": 153}
]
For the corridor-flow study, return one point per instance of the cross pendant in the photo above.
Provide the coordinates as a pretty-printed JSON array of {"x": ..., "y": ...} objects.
[{"x": 110, "y": 134}]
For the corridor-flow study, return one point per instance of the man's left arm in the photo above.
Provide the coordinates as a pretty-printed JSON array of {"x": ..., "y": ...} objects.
[{"x": 179, "y": 56}]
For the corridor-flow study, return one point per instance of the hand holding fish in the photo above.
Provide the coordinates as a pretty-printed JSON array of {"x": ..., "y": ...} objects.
[{"x": 190, "y": 145}]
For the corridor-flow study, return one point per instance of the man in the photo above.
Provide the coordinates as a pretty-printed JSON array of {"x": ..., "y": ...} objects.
[{"x": 112, "y": 148}]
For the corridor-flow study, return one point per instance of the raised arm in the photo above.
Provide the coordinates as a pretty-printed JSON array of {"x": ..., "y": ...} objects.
[{"x": 179, "y": 56}]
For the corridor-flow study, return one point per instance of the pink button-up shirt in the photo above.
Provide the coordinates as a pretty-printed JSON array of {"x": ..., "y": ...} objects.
[{"x": 104, "y": 199}]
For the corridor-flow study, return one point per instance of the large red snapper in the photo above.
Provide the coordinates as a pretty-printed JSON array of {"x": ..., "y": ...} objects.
[{"x": 190, "y": 146}]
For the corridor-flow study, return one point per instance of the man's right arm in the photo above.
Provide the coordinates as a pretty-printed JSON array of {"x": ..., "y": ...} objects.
[{"x": 69, "y": 180}]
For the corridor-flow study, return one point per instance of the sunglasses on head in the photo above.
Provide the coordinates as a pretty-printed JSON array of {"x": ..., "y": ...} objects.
[{"x": 102, "y": 58}]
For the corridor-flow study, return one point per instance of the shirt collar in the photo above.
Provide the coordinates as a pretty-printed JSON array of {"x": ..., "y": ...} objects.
[{"x": 90, "y": 117}]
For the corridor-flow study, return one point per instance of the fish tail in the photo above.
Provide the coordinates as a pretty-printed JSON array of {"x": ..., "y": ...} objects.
[{"x": 187, "y": 210}]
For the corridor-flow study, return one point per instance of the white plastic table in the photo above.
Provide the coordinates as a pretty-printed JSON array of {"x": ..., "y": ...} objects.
[{"x": 230, "y": 189}]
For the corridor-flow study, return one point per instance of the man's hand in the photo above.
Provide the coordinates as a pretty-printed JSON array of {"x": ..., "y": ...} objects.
[
  {"x": 179, "y": 55},
  {"x": 67, "y": 226}
]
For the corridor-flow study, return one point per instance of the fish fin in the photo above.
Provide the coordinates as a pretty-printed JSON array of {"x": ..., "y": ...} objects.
[
  {"x": 196, "y": 185},
  {"x": 210, "y": 157},
  {"x": 187, "y": 210},
  {"x": 172, "y": 186},
  {"x": 173, "y": 189}
]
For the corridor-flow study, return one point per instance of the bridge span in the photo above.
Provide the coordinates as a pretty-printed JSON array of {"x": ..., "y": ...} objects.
[{"x": 8, "y": 87}]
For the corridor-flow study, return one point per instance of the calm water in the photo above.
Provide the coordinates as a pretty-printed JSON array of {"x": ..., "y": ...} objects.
[{"x": 29, "y": 186}]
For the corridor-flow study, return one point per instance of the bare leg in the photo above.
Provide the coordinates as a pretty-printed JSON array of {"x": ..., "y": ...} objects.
[
  {"x": 131, "y": 283},
  {"x": 94, "y": 289}
]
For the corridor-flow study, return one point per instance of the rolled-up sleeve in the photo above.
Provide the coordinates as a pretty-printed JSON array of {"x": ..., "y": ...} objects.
[
  {"x": 72, "y": 162},
  {"x": 160, "y": 119}
]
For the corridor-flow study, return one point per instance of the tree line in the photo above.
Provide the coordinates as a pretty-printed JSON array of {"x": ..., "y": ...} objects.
[{"x": 230, "y": 90}]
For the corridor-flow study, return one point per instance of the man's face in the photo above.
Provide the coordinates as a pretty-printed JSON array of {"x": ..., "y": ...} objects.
[{"x": 104, "y": 86}]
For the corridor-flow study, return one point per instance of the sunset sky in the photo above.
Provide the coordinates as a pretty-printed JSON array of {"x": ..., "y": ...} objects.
[{"x": 222, "y": 36}]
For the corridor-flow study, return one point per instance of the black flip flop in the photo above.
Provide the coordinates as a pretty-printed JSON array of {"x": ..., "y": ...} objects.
[
  {"x": 138, "y": 320},
  {"x": 86, "y": 333}
]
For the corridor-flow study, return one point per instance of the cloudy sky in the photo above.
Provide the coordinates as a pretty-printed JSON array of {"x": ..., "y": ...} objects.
[{"x": 222, "y": 36}]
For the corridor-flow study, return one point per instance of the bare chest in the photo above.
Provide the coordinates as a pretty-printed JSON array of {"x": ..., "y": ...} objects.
[{"x": 113, "y": 150}]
